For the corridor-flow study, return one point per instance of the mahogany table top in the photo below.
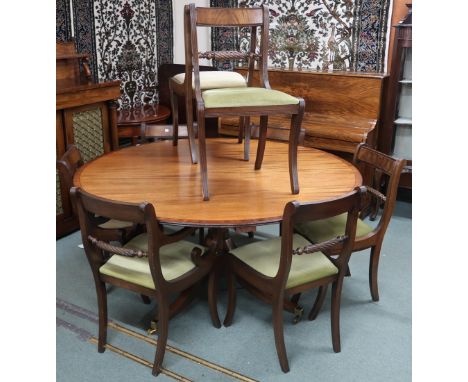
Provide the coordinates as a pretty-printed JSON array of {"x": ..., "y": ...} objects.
[{"x": 164, "y": 176}]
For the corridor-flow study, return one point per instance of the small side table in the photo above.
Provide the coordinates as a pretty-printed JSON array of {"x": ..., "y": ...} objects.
[{"x": 129, "y": 120}]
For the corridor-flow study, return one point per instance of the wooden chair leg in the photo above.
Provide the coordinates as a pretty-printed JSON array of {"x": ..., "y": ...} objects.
[
  {"x": 190, "y": 128},
  {"x": 212, "y": 296},
  {"x": 373, "y": 271},
  {"x": 322, "y": 293},
  {"x": 163, "y": 327},
  {"x": 295, "y": 298},
  {"x": 175, "y": 115},
  {"x": 231, "y": 308},
  {"x": 202, "y": 152},
  {"x": 261, "y": 141},
  {"x": 240, "y": 134},
  {"x": 247, "y": 133},
  {"x": 102, "y": 307},
  {"x": 279, "y": 335},
  {"x": 335, "y": 315},
  {"x": 201, "y": 236},
  {"x": 295, "y": 130}
]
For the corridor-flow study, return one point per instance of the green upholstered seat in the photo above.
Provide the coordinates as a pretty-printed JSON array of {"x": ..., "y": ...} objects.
[
  {"x": 215, "y": 80},
  {"x": 323, "y": 230},
  {"x": 175, "y": 261},
  {"x": 264, "y": 257},
  {"x": 115, "y": 224},
  {"x": 240, "y": 97}
]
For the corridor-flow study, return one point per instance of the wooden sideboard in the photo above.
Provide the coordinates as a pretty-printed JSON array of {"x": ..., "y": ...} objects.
[
  {"x": 85, "y": 117},
  {"x": 342, "y": 108}
]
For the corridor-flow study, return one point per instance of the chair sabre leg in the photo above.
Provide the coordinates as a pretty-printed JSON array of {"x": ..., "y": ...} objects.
[
  {"x": 322, "y": 293},
  {"x": 175, "y": 115},
  {"x": 335, "y": 315},
  {"x": 102, "y": 306},
  {"x": 248, "y": 134},
  {"x": 163, "y": 326},
  {"x": 202, "y": 149},
  {"x": 373, "y": 272},
  {"x": 279, "y": 335},
  {"x": 190, "y": 128},
  {"x": 240, "y": 134},
  {"x": 261, "y": 141},
  {"x": 295, "y": 130}
]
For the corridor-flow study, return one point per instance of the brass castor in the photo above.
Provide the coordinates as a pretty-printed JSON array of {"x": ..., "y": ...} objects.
[
  {"x": 298, "y": 313},
  {"x": 153, "y": 328}
]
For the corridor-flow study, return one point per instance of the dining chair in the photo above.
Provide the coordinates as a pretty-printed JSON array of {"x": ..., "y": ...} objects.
[
  {"x": 290, "y": 264},
  {"x": 240, "y": 101},
  {"x": 109, "y": 229},
  {"x": 382, "y": 167},
  {"x": 153, "y": 263}
]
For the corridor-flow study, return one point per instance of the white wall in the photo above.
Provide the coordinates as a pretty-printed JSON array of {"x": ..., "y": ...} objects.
[{"x": 204, "y": 34}]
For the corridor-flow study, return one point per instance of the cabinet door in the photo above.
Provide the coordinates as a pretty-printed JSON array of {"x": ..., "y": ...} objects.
[{"x": 87, "y": 128}]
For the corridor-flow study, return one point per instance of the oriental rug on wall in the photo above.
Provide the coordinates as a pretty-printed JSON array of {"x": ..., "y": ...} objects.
[
  {"x": 318, "y": 34},
  {"x": 126, "y": 40}
]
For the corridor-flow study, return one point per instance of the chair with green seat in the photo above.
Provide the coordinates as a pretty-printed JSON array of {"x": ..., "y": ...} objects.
[
  {"x": 276, "y": 268},
  {"x": 240, "y": 101},
  {"x": 153, "y": 264},
  {"x": 108, "y": 229},
  {"x": 381, "y": 166}
]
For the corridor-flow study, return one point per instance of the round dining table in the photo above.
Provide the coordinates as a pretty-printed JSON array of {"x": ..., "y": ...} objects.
[{"x": 164, "y": 175}]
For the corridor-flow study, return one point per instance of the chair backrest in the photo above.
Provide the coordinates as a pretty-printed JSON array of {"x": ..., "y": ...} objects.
[
  {"x": 296, "y": 212},
  {"x": 252, "y": 18},
  {"x": 89, "y": 206},
  {"x": 68, "y": 164},
  {"x": 380, "y": 165}
]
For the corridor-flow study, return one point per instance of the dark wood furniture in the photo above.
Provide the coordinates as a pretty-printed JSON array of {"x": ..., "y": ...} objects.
[
  {"x": 153, "y": 264},
  {"x": 233, "y": 101},
  {"x": 292, "y": 275},
  {"x": 130, "y": 121},
  {"x": 108, "y": 230},
  {"x": 384, "y": 168},
  {"x": 135, "y": 173},
  {"x": 342, "y": 109},
  {"x": 85, "y": 117},
  {"x": 395, "y": 137}
]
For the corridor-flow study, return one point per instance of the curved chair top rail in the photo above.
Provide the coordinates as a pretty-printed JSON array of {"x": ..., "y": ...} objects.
[{"x": 230, "y": 17}]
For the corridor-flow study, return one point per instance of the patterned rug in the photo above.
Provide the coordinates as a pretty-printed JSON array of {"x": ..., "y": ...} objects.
[
  {"x": 316, "y": 34},
  {"x": 125, "y": 39}
]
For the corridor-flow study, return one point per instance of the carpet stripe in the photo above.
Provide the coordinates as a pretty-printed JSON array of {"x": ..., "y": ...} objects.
[
  {"x": 183, "y": 354},
  {"x": 141, "y": 361}
]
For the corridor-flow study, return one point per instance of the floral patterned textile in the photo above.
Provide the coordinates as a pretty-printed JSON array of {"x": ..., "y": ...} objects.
[
  {"x": 126, "y": 40},
  {"x": 321, "y": 34}
]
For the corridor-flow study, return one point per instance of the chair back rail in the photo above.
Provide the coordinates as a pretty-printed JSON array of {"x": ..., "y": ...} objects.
[
  {"x": 380, "y": 164},
  {"x": 296, "y": 212},
  {"x": 229, "y": 17},
  {"x": 68, "y": 164}
]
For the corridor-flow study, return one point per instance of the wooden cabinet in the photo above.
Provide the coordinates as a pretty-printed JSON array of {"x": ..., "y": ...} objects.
[
  {"x": 85, "y": 117},
  {"x": 396, "y": 135}
]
